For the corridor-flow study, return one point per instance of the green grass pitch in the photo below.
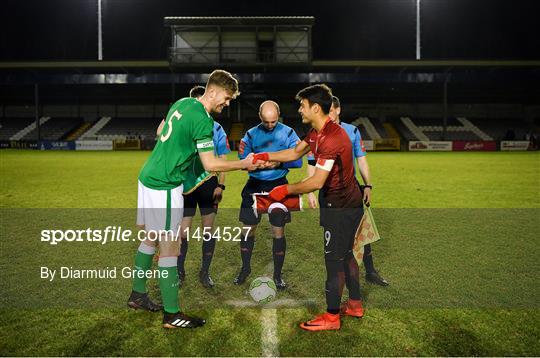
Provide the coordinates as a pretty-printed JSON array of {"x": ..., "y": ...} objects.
[{"x": 460, "y": 248}]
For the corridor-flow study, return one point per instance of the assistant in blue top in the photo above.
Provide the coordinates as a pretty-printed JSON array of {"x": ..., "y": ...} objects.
[
  {"x": 356, "y": 139},
  {"x": 221, "y": 143}
]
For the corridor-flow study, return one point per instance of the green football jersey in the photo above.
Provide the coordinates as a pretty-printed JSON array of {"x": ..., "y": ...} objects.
[{"x": 188, "y": 130}]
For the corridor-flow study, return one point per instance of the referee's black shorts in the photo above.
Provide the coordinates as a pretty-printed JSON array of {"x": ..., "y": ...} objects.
[
  {"x": 203, "y": 197},
  {"x": 247, "y": 215}
]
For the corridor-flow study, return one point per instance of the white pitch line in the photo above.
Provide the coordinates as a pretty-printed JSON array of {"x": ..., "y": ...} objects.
[
  {"x": 281, "y": 303},
  {"x": 269, "y": 337},
  {"x": 289, "y": 303},
  {"x": 242, "y": 303}
]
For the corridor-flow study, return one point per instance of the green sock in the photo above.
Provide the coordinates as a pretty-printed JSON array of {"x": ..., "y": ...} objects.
[
  {"x": 168, "y": 284},
  {"x": 143, "y": 262}
]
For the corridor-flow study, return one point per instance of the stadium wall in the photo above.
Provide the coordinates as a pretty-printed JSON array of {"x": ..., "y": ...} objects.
[
  {"x": 87, "y": 111},
  {"x": 370, "y": 145},
  {"x": 435, "y": 110},
  {"x": 289, "y": 109}
]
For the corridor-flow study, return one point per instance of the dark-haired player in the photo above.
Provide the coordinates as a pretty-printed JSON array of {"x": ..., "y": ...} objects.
[
  {"x": 340, "y": 202},
  {"x": 359, "y": 155}
]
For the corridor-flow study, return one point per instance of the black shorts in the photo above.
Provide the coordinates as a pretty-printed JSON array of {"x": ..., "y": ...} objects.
[
  {"x": 247, "y": 215},
  {"x": 203, "y": 197},
  {"x": 339, "y": 229}
]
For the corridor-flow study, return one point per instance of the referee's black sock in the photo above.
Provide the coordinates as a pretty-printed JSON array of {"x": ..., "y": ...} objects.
[
  {"x": 279, "y": 246},
  {"x": 208, "y": 247},
  {"x": 246, "y": 250},
  {"x": 183, "y": 253},
  {"x": 368, "y": 259}
]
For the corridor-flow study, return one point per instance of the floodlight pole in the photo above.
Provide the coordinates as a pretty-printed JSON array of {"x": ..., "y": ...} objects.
[
  {"x": 445, "y": 107},
  {"x": 36, "y": 107},
  {"x": 100, "y": 41},
  {"x": 173, "y": 91},
  {"x": 418, "y": 56}
]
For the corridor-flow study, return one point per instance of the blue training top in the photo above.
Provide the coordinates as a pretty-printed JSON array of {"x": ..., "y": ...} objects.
[
  {"x": 259, "y": 139},
  {"x": 221, "y": 143}
]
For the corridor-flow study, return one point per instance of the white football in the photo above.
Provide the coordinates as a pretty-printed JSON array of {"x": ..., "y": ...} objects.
[{"x": 262, "y": 290}]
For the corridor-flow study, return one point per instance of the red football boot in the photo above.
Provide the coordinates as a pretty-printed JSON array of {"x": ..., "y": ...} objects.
[
  {"x": 352, "y": 308},
  {"x": 326, "y": 321}
]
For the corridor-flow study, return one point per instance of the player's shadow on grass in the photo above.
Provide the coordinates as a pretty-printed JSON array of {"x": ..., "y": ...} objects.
[
  {"x": 365, "y": 290},
  {"x": 450, "y": 338},
  {"x": 312, "y": 307},
  {"x": 114, "y": 328}
]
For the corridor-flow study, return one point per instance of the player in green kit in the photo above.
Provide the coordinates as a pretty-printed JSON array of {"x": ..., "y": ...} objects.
[{"x": 184, "y": 153}]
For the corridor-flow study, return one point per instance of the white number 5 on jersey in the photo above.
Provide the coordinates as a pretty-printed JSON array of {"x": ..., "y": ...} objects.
[{"x": 176, "y": 115}]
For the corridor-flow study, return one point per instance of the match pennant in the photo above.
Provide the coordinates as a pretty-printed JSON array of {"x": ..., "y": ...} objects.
[
  {"x": 366, "y": 233},
  {"x": 262, "y": 204}
]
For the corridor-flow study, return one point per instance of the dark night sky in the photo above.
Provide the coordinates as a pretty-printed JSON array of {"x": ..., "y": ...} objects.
[{"x": 344, "y": 29}]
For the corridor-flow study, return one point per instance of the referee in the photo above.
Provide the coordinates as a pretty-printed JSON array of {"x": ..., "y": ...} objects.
[{"x": 269, "y": 136}]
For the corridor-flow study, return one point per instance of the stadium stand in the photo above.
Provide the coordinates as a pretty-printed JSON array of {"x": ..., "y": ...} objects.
[
  {"x": 128, "y": 128},
  {"x": 426, "y": 122},
  {"x": 504, "y": 129},
  {"x": 78, "y": 132},
  {"x": 402, "y": 129},
  {"x": 417, "y": 132},
  {"x": 363, "y": 132},
  {"x": 23, "y": 132},
  {"x": 91, "y": 133},
  {"x": 368, "y": 127},
  {"x": 54, "y": 128},
  {"x": 449, "y": 135},
  {"x": 379, "y": 127},
  {"x": 11, "y": 126},
  {"x": 468, "y": 124},
  {"x": 405, "y": 128},
  {"x": 427, "y": 129},
  {"x": 390, "y": 130}
]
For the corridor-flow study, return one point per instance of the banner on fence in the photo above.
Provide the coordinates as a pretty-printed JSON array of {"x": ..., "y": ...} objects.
[
  {"x": 56, "y": 145},
  {"x": 386, "y": 144},
  {"x": 127, "y": 144},
  {"x": 513, "y": 145},
  {"x": 463, "y": 145},
  {"x": 23, "y": 144},
  {"x": 94, "y": 145},
  {"x": 430, "y": 146}
]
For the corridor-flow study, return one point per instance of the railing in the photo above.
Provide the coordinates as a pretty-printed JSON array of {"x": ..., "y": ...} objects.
[{"x": 239, "y": 55}]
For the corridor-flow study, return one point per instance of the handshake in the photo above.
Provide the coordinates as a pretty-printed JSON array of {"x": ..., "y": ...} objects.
[
  {"x": 262, "y": 161},
  {"x": 259, "y": 161}
]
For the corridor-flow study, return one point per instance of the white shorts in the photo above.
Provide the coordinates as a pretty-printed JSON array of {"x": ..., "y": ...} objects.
[{"x": 160, "y": 209}]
